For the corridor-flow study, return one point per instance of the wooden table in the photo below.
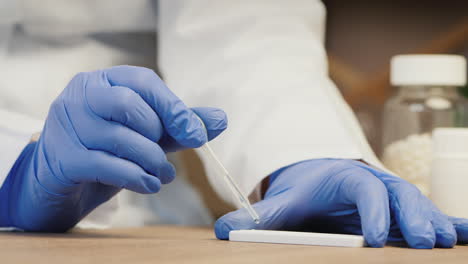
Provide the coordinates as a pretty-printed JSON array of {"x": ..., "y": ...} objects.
[{"x": 165, "y": 244}]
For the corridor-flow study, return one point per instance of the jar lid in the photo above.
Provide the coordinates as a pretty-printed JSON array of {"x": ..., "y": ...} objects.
[
  {"x": 450, "y": 141},
  {"x": 426, "y": 69}
]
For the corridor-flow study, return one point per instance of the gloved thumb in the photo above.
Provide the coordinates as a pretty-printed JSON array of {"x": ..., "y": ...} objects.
[
  {"x": 273, "y": 214},
  {"x": 214, "y": 120}
]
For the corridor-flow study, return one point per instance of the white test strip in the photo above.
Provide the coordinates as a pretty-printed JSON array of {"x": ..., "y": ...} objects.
[{"x": 298, "y": 238}]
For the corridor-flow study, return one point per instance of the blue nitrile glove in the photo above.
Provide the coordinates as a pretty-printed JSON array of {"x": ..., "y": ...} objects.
[
  {"x": 347, "y": 196},
  {"x": 108, "y": 130}
]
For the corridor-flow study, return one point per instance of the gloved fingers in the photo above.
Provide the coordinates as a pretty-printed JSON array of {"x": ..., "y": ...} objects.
[
  {"x": 371, "y": 198},
  {"x": 446, "y": 236},
  {"x": 272, "y": 211},
  {"x": 125, "y": 106},
  {"x": 178, "y": 120},
  {"x": 461, "y": 227},
  {"x": 110, "y": 170},
  {"x": 412, "y": 212},
  {"x": 126, "y": 143},
  {"x": 413, "y": 215},
  {"x": 214, "y": 119}
]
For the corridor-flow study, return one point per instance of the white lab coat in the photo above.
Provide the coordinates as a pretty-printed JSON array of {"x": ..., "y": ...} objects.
[{"x": 262, "y": 61}]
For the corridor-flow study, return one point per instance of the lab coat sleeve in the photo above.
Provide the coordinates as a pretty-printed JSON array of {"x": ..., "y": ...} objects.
[
  {"x": 15, "y": 133},
  {"x": 264, "y": 63}
]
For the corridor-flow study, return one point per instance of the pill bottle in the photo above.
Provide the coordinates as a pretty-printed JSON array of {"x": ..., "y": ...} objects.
[
  {"x": 426, "y": 98},
  {"x": 449, "y": 173}
]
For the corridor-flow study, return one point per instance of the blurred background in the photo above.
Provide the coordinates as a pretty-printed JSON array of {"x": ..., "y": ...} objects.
[{"x": 362, "y": 36}]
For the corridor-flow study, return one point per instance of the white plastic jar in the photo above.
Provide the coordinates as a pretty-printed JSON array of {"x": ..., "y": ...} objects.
[
  {"x": 450, "y": 171},
  {"x": 426, "y": 98}
]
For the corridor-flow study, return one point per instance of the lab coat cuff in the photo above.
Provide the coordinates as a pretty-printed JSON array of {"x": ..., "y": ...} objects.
[{"x": 15, "y": 133}]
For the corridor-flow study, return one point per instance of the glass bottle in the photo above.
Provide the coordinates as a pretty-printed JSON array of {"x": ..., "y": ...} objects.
[{"x": 426, "y": 98}]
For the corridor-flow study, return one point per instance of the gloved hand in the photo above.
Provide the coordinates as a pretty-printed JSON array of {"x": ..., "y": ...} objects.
[
  {"x": 107, "y": 130},
  {"x": 347, "y": 196}
]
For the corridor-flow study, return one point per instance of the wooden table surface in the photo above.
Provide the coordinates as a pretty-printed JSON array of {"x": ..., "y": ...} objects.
[{"x": 165, "y": 244}]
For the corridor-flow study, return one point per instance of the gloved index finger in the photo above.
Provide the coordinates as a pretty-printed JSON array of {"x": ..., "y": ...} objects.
[
  {"x": 273, "y": 212},
  {"x": 371, "y": 199},
  {"x": 412, "y": 212},
  {"x": 178, "y": 120},
  {"x": 461, "y": 226}
]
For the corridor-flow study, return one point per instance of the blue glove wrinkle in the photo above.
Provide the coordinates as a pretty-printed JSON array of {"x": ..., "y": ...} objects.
[
  {"x": 28, "y": 189},
  {"x": 414, "y": 215},
  {"x": 125, "y": 106},
  {"x": 414, "y": 221},
  {"x": 356, "y": 187},
  {"x": 58, "y": 186},
  {"x": 177, "y": 119},
  {"x": 215, "y": 120},
  {"x": 186, "y": 128}
]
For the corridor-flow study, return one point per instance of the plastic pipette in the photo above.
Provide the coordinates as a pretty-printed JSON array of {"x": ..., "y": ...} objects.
[{"x": 222, "y": 172}]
